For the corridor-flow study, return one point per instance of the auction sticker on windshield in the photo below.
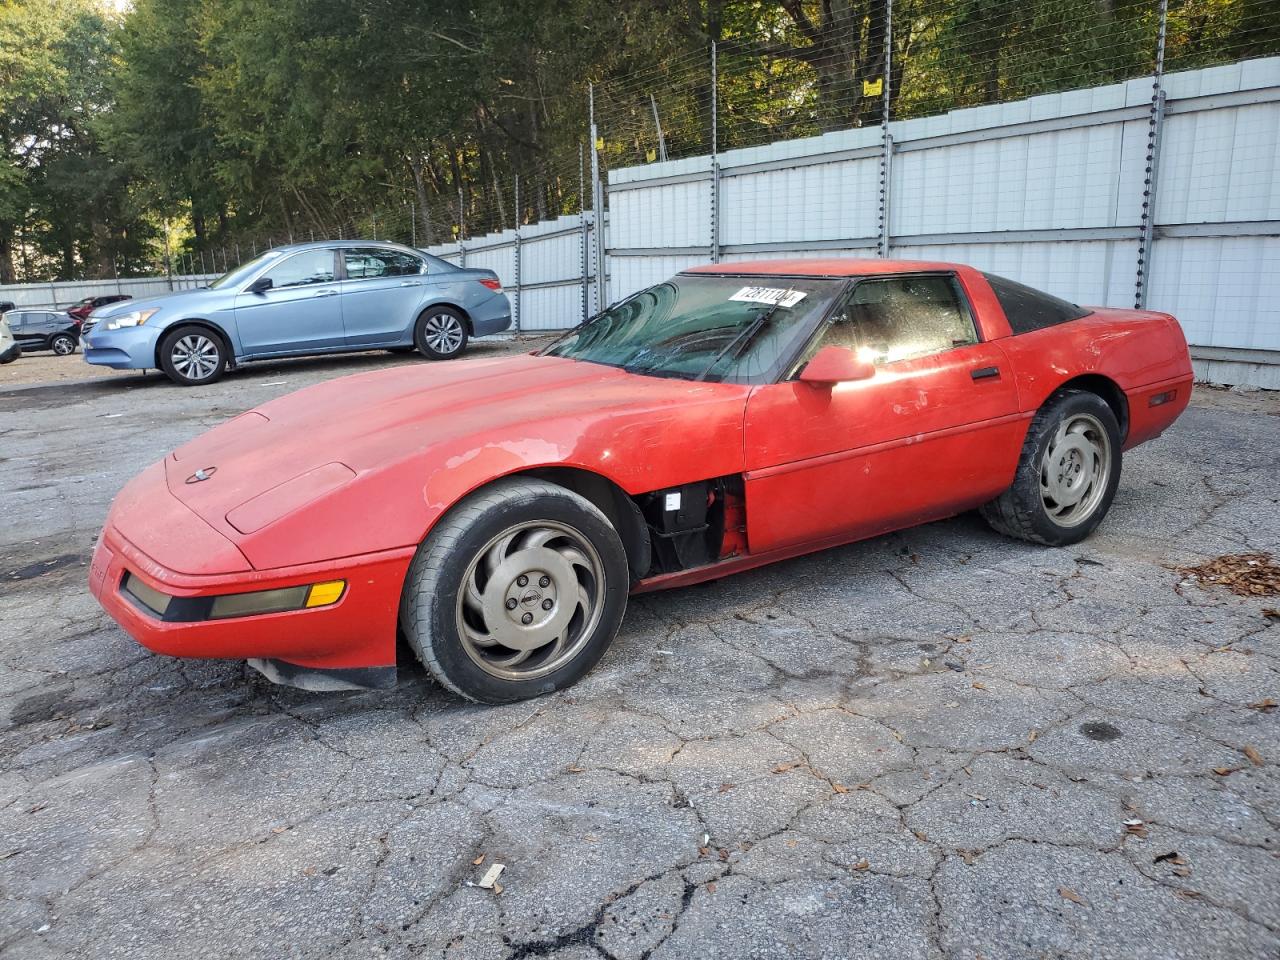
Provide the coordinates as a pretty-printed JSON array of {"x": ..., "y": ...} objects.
[{"x": 776, "y": 296}]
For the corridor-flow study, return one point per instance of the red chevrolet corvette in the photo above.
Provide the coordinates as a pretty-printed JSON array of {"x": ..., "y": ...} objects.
[{"x": 499, "y": 511}]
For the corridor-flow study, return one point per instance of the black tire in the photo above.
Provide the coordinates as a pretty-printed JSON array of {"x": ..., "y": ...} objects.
[
  {"x": 63, "y": 344},
  {"x": 441, "y": 333},
  {"x": 205, "y": 354},
  {"x": 1026, "y": 510},
  {"x": 432, "y": 613}
]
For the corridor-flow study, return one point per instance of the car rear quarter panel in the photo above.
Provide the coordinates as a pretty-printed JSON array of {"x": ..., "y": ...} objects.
[{"x": 1143, "y": 353}]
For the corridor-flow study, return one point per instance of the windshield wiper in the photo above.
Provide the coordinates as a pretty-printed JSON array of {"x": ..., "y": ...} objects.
[{"x": 739, "y": 344}]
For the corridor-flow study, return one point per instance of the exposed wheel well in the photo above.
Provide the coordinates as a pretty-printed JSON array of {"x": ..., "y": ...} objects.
[
  {"x": 1108, "y": 390},
  {"x": 205, "y": 325},
  {"x": 613, "y": 502}
]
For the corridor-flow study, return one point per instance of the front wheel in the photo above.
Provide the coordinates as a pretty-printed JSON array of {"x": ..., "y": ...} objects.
[
  {"x": 63, "y": 344},
  {"x": 441, "y": 333},
  {"x": 1067, "y": 475},
  {"x": 516, "y": 593},
  {"x": 192, "y": 356}
]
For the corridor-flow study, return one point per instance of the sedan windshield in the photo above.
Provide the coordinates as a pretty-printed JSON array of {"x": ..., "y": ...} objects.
[
  {"x": 704, "y": 327},
  {"x": 241, "y": 273}
]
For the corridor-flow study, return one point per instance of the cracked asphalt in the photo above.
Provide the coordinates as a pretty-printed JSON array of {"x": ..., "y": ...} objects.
[{"x": 941, "y": 743}]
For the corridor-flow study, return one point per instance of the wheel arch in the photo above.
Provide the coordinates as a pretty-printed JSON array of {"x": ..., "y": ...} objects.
[
  {"x": 452, "y": 305},
  {"x": 1106, "y": 388},
  {"x": 209, "y": 325},
  {"x": 611, "y": 499}
]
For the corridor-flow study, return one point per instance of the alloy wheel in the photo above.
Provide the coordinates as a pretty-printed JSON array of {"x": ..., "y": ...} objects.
[
  {"x": 530, "y": 600},
  {"x": 195, "y": 356},
  {"x": 1074, "y": 471},
  {"x": 443, "y": 332}
]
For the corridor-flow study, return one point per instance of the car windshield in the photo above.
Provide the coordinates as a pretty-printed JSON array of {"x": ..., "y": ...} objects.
[
  {"x": 243, "y": 272},
  {"x": 739, "y": 329}
]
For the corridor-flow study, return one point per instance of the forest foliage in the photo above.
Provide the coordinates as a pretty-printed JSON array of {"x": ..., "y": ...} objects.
[{"x": 203, "y": 123}]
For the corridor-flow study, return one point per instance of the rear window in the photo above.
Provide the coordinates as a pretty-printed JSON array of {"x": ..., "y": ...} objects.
[{"x": 1029, "y": 309}]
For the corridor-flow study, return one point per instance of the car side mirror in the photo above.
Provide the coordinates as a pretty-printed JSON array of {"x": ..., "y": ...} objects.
[
  {"x": 261, "y": 285},
  {"x": 836, "y": 365}
]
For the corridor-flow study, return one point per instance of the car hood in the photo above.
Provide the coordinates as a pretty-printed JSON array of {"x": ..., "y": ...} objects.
[
  {"x": 175, "y": 298},
  {"x": 388, "y": 432}
]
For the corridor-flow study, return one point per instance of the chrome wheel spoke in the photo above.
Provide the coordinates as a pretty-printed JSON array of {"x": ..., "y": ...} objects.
[{"x": 195, "y": 356}]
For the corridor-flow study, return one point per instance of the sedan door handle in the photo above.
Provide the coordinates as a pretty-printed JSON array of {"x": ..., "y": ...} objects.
[
  {"x": 325, "y": 293},
  {"x": 410, "y": 283},
  {"x": 985, "y": 373}
]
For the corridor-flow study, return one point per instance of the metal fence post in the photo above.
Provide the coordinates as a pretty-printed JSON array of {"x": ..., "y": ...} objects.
[
  {"x": 597, "y": 206},
  {"x": 715, "y": 162},
  {"x": 584, "y": 238},
  {"x": 516, "y": 305},
  {"x": 1155, "y": 127},
  {"x": 462, "y": 231},
  {"x": 886, "y": 138}
]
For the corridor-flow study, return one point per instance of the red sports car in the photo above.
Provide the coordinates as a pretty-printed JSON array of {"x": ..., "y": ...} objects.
[{"x": 499, "y": 511}]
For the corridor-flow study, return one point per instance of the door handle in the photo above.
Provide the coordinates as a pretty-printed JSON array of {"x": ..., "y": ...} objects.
[
  {"x": 325, "y": 293},
  {"x": 410, "y": 283},
  {"x": 985, "y": 373}
]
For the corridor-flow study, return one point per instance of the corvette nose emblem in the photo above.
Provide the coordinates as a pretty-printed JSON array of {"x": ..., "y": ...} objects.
[{"x": 204, "y": 473}]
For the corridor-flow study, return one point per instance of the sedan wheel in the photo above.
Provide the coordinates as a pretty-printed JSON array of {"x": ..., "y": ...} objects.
[
  {"x": 192, "y": 355},
  {"x": 517, "y": 592},
  {"x": 441, "y": 333}
]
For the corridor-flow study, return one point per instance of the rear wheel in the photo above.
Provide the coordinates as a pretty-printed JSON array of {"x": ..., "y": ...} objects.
[
  {"x": 191, "y": 356},
  {"x": 1067, "y": 475},
  {"x": 62, "y": 344},
  {"x": 516, "y": 593},
  {"x": 441, "y": 333}
]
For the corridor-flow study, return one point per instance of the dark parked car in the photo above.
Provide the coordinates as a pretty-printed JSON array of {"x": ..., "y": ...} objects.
[
  {"x": 7, "y": 305},
  {"x": 82, "y": 308},
  {"x": 44, "y": 330}
]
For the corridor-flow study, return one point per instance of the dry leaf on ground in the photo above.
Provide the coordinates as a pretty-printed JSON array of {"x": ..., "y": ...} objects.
[{"x": 1246, "y": 574}]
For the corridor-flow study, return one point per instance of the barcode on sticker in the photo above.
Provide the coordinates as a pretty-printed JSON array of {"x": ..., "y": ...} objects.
[{"x": 777, "y": 296}]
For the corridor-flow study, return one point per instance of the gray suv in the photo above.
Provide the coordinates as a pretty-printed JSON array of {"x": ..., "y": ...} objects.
[{"x": 44, "y": 330}]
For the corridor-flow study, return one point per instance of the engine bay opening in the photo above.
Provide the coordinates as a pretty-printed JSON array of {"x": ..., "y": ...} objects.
[{"x": 694, "y": 524}]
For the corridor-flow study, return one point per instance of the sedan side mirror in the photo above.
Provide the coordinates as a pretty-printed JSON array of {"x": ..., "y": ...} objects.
[
  {"x": 836, "y": 365},
  {"x": 261, "y": 285}
]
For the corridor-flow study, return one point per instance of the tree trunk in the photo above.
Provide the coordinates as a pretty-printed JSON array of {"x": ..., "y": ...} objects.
[
  {"x": 8, "y": 273},
  {"x": 428, "y": 230}
]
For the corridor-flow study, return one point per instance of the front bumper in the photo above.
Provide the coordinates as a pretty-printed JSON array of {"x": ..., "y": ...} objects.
[
  {"x": 129, "y": 348},
  {"x": 356, "y": 633}
]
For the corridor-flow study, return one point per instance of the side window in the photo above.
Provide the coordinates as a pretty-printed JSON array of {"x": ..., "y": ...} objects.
[
  {"x": 897, "y": 318},
  {"x": 302, "y": 269},
  {"x": 363, "y": 264},
  {"x": 1029, "y": 309}
]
